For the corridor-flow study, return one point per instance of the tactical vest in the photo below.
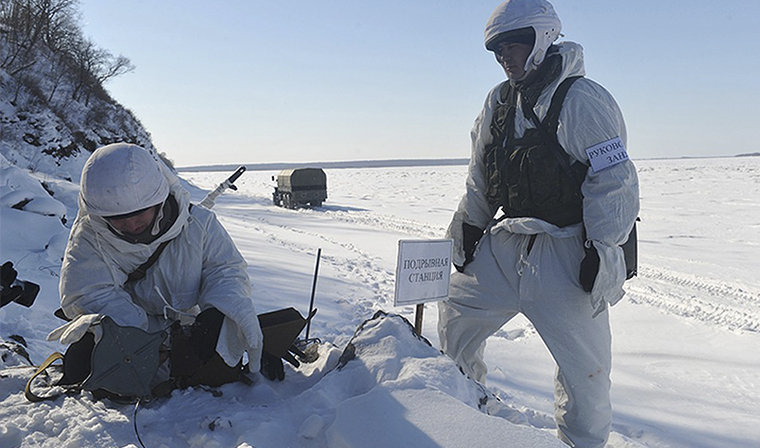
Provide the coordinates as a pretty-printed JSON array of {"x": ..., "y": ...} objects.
[{"x": 533, "y": 176}]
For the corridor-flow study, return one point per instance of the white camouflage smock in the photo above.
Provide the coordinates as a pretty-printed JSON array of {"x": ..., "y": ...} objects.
[
  {"x": 200, "y": 268},
  {"x": 543, "y": 284}
]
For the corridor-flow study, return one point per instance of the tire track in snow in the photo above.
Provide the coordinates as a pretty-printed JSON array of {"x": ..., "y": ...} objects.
[
  {"x": 360, "y": 269},
  {"x": 390, "y": 223},
  {"x": 704, "y": 300}
]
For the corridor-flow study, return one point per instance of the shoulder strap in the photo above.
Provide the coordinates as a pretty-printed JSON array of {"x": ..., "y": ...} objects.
[
  {"x": 503, "y": 120},
  {"x": 552, "y": 121},
  {"x": 141, "y": 270}
]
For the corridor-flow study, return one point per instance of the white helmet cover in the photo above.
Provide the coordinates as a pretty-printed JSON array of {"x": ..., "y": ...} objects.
[
  {"x": 515, "y": 14},
  {"x": 122, "y": 178}
]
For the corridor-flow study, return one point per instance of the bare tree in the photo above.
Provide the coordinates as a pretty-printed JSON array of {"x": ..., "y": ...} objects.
[
  {"x": 31, "y": 28},
  {"x": 112, "y": 67},
  {"x": 28, "y": 23}
]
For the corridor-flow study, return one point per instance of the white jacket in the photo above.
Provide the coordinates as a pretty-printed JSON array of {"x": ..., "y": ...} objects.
[
  {"x": 589, "y": 116},
  {"x": 200, "y": 268}
]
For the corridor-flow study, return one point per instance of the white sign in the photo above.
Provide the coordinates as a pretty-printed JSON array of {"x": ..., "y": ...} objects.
[{"x": 423, "y": 271}]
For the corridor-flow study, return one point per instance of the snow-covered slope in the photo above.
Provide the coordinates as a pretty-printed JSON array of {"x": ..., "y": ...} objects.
[{"x": 36, "y": 137}]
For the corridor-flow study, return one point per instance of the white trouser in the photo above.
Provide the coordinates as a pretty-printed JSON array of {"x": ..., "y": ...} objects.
[{"x": 505, "y": 279}]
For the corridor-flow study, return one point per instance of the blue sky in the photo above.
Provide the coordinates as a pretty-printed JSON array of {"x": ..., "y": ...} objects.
[{"x": 304, "y": 81}]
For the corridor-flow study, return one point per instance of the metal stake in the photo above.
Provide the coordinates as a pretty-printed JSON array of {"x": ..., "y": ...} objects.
[
  {"x": 313, "y": 290},
  {"x": 418, "y": 319}
]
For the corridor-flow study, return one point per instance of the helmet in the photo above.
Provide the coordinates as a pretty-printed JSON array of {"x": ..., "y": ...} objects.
[
  {"x": 517, "y": 14},
  {"x": 121, "y": 178}
]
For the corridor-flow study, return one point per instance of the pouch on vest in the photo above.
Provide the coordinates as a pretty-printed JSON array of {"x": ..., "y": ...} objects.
[
  {"x": 536, "y": 185},
  {"x": 532, "y": 176}
]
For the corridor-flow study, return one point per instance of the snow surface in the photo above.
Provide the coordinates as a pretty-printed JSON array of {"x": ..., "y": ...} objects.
[{"x": 686, "y": 364}]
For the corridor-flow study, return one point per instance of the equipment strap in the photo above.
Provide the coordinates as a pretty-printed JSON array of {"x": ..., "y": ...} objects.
[{"x": 31, "y": 396}]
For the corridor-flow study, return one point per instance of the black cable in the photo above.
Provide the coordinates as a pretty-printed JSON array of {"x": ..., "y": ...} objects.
[{"x": 134, "y": 423}]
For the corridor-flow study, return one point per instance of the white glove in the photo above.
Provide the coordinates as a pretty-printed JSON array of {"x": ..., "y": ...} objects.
[{"x": 73, "y": 331}]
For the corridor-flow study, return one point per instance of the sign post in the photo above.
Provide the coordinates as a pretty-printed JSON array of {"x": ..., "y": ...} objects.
[{"x": 423, "y": 271}]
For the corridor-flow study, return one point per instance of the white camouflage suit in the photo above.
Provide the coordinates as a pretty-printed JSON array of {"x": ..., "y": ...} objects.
[
  {"x": 200, "y": 268},
  {"x": 543, "y": 284}
]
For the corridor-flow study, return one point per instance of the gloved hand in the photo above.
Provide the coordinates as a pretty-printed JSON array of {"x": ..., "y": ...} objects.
[
  {"x": 73, "y": 331},
  {"x": 589, "y": 267},
  {"x": 471, "y": 235},
  {"x": 272, "y": 367}
]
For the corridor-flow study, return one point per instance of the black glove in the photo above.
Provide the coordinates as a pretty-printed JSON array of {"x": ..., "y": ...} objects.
[
  {"x": 471, "y": 235},
  {"x": 272, "y": 367},
  {"x": 589, "y": 267}
]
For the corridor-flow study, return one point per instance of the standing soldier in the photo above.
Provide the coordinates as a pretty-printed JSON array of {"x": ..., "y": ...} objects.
[{"x": 550, "y": 197}]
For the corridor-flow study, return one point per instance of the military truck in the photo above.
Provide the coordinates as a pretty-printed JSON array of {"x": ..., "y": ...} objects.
[{"x": 300, "y": 187}]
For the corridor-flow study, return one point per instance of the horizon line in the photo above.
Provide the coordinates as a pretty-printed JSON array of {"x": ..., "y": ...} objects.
[{"x": 383, "y": 163}]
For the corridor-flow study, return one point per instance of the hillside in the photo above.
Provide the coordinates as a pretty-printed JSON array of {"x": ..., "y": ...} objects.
[{"x": 54, "y": 109}]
